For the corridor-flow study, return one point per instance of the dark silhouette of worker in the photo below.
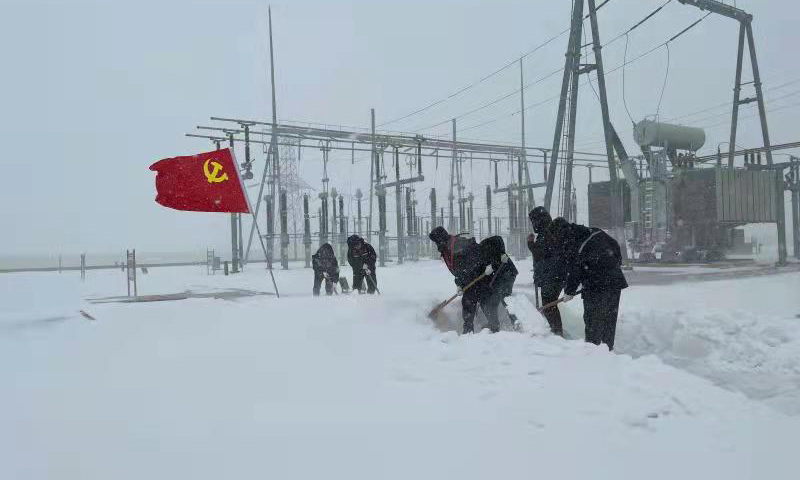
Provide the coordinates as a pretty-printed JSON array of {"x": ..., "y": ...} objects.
[
  {"x": 549, "y": 268},
  {"x": 326, "y": 267},
  {"x": 361, "y": 257},
  {"x": 594, "y": 262}
]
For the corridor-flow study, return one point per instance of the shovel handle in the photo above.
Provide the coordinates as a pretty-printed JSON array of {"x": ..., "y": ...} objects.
[
  {"x": 556, "y": 302},
  {"x": 446, "y": 302}
]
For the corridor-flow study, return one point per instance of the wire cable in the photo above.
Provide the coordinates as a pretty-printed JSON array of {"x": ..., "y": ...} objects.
[
  {"x": 624, "y": 100},
  {"x": 664, "y": 85},
  {"x": 490, "y": 75},
  {"x": 605, "y": 74}
]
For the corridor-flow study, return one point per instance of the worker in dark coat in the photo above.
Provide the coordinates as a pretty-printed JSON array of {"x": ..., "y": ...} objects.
[
  {"x": 501, "y": 273},
  {"x": 549, "y": 269},
  {"x": 594, "y": 260},
  {"x": 361, "y": 257},
  {"x": 325, "y": 267},
  {"x": 467, "y": 261}
]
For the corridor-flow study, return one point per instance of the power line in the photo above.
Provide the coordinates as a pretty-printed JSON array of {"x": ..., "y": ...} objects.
[
  {"x": 625, "y": 63},
  {"x": 553, "y": 73},
  {"x": 490, "y": 75}
]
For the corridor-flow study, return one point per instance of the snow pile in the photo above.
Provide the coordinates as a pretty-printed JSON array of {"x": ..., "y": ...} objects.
[
  {"x": 355, "y": 387},
  {"x": 743, "y": 335}
]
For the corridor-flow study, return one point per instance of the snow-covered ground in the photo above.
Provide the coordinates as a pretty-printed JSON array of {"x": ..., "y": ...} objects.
[{"x": 366, "y": 387}]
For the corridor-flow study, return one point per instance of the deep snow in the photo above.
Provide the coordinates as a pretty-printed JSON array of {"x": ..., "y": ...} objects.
[{"x": 365, "y": 387}]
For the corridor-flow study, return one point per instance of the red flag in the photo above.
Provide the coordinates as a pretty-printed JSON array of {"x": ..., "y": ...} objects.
[{"x": 208, "y": 182}]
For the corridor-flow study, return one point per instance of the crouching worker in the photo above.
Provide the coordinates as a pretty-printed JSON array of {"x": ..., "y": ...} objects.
[
  {"x": 500, "y": 273},
  {"x": 463, "y": 258},
  {"x": 361, "y": 257},
  {"x": 593, "y": 260},
  {"x": 325, "y": 267}
]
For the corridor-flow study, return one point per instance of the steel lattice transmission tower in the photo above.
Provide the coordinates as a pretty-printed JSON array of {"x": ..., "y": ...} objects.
[{"x": 573, "y": 68}]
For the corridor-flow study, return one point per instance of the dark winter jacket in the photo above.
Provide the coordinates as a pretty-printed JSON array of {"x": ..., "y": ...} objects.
[
  {"x": 548, "y": 265},
  {"x": 492, "y": 249},
  {"x": 324, "y": 261},
  {"x": 593, "y": 260},
  {"x": 360, "y": 255},
  {"x": 463, "y": 258}
]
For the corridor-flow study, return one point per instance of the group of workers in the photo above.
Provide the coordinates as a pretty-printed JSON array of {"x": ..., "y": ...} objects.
[{"x": 567, "y": 257}]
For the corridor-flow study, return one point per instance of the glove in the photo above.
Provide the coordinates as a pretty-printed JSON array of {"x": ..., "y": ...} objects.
[
  {"x": 488, "y": 271},
  {"x": 460, "y": 291},
  {"x": 504, "y": 258},
  {"x": 567, "y": 297},
  {"x": 364, "y": 267}
]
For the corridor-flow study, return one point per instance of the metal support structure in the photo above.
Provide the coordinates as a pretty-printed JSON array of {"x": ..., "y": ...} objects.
[
  {"x": 306, "y": 232},
  {"x": 780, "y": 213},
  {"x": 284, "y": 231},
  {"x": 489, "y": 209},
  {"x": 270, "y": 228},
  {"x": 576, "y": 26},
  {"x": 276, "y": 185},
  {"x": 745, "y": 29},
  {"x": 342, "y": 231},
  {"x": 432, "y": 198},
  {"x": 762, "y": 113},
  {"x": 374, "y": 173},
  {"x": 323, "y": 219},
  {"x": 737, "y": 88},
  {"x": 450, "y": 195},
  {"x": 234, "y": 228},
  {"x": 334, "y": 220},
  {"x": 359, "y": 195},
  {"x": 382, "y": 247},
  {"x": 398, "y": 208}
]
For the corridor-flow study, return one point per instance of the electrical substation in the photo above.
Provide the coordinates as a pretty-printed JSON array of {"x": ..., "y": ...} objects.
[{"x": 663, "y": 203}]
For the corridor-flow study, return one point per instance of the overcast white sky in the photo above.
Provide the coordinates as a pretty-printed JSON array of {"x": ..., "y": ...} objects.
[{"x": 94, "y": 92}]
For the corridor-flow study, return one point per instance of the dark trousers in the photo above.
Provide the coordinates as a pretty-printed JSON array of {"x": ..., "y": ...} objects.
[
  {"x": 550, "y": 293},
  {"x": 489, "y": 300},
  {"x": 600, "y": 310},
  {"x": 358, "y": 279},
  {"x": 318, "y": 277}
]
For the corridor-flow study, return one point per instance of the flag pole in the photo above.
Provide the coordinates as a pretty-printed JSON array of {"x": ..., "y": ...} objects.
[{"x": 255, "y": 222}]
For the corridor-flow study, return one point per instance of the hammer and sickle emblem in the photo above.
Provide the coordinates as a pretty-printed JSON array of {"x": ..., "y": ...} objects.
[{"x": 213, "y": 175}]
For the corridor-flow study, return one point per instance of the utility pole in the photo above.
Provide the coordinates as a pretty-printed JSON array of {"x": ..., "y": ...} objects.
[
  {"x": 374, "y": 167},
  {"x": 398, "y": 208},
  {"x": 450, "y": 196},
  {"x": 306, "y": 231}
]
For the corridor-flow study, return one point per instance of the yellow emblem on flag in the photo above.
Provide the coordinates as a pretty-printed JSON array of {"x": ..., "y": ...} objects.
[{"x": 213, "y": 175}]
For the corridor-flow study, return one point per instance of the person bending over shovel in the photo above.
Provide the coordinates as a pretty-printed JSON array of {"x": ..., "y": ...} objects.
[
  {"x": 464, "y": 259},
  {"x": 361, "y": 256},
  {"x": 325, "y": 267},
  {"x": 501, "y": 273}
]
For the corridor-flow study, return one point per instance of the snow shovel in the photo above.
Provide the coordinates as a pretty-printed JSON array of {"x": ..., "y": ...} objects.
[
  {"x": 556, "y": 302},
  {"x": 432, "y": 315}
]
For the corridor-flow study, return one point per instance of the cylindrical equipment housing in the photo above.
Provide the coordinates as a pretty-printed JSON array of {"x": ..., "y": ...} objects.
[{"x": 649, "y": 133}]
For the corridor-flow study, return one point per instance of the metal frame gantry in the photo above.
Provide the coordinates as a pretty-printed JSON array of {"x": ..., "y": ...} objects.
[{"x": 745, "y": 29}]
